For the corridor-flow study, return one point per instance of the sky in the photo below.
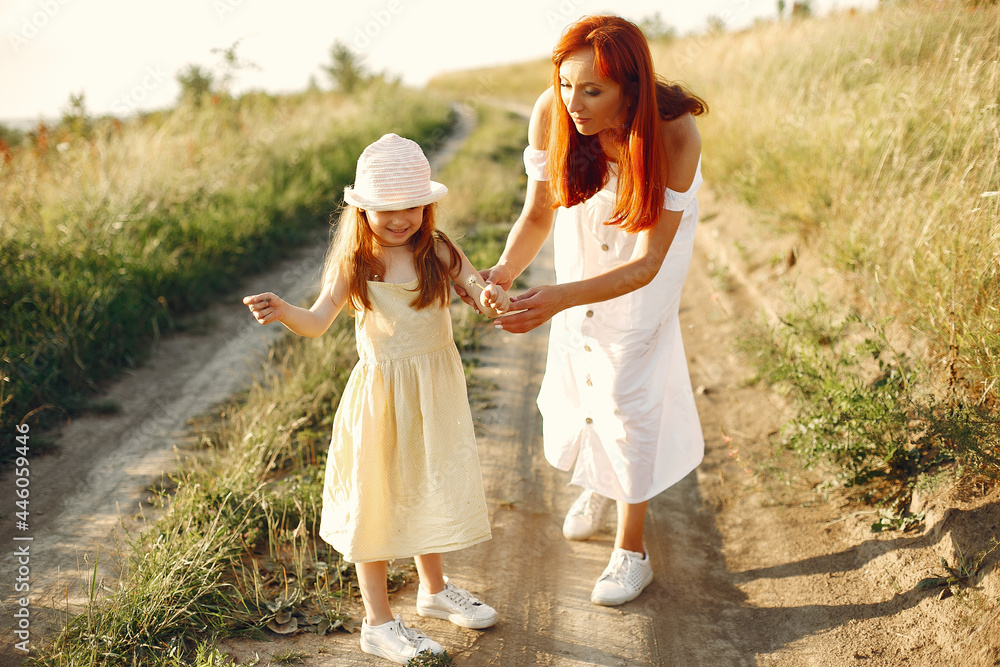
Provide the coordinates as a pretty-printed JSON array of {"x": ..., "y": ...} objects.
[{"x": 124, "y": 55}]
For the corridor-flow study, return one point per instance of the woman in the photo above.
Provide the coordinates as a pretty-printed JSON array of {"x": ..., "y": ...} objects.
[{"x": 617, "y": 151}]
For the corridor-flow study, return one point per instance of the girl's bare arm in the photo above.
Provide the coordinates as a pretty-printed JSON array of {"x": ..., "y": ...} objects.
[
  {"x": 268, "y": 307},
  {"x": 491, "y": 299}
]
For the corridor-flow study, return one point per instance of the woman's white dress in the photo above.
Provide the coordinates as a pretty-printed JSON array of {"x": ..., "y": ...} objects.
[{"x": 616, "y": 400}]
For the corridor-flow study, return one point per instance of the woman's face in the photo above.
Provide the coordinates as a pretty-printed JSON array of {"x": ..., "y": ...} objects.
[
  {"x": 395, "y": 228},
  {"x": 594, "y": 103}
]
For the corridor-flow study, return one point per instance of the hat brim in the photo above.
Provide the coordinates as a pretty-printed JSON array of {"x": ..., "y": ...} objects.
[{"x": 437, "y": 191}]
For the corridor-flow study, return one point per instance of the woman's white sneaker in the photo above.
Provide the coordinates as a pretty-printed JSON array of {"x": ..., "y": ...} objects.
[
  {"x": 394, "y": 641},
  {"x": 586, "y": 515},
  {"x": 628, "y": 573},
  {"x": 456, "y": 605}
]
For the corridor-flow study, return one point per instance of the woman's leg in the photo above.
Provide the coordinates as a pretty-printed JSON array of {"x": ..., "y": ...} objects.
[
  {"x": 627, "y": 574},
  {"x": 431, "y": 572},
  {"x": 371, "y": 579},
  {"x": 630, "y": 524}
]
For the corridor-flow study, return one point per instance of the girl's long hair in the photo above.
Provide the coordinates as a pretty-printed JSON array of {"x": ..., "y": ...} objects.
[
  {"x": 352, "y": 253},
  {"x": 577, "y": 163}
]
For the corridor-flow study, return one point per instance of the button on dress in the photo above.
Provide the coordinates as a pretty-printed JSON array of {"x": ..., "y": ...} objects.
[
  {"x": 616, "y": 400},
  {"x": 403, "y": 475}
]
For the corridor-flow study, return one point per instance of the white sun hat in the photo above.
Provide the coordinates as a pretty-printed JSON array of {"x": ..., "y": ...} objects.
[{"x": 393, "y": 175}]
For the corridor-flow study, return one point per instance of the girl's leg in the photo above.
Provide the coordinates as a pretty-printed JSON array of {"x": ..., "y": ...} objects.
[
  {"x": 431, "y": 572},
  {"x": 453, "y": 604},
  {"x": 371, "y": 579},
  {"x": 630, "y": 525}
]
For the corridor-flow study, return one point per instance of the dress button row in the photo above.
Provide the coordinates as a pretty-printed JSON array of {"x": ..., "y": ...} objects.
[
  {"x": 590, "y": 313},
  {"x": 604, "y": 246},
  {"x": 586, "y": 348},
  {"x": 590, "y": 383},
  {"x": 589, "y": 420}
]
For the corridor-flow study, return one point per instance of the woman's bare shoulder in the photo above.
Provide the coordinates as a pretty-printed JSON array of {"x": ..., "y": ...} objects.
[
  {"x": 682, "y": 151},
  {"x": 538, "y": 125}
]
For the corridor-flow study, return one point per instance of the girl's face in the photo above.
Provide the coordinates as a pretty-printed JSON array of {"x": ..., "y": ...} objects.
[
  {"x": 395, "y": 228},
  {"x": 594, "y": 103}
]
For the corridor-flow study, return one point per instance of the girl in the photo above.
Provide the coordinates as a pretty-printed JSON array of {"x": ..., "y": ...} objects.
[{"x": 403, "y": 476}]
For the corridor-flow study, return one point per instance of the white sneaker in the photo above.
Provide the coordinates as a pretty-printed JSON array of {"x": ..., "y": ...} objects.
[
  {"x": 395, "y": 641},
  {"x": 456, "y": 605},
  {"x": 586, "y": 515},
  {"x": 628, "y": 573}
]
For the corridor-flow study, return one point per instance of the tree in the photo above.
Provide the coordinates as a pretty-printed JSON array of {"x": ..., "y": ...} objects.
[
  {"x": 655, "y": 29},
  {"x": 716, "y": 25},
  {"x": 231, "y": 65},
  {"x": 75, "y": 118},
  {"x": 11, "y": 136},
  {"x": 801, "y": 10},
  {"x": 196, "y": 83},
  {"x": 346, "y": 71}
]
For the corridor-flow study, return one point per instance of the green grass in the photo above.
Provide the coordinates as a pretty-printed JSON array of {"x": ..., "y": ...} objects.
[
  {"x": 235, "y": 546},
  {"x": 486, "y": 185},
  {"x": 107, "y": 239},
  {"x": 870, "y": 138}
]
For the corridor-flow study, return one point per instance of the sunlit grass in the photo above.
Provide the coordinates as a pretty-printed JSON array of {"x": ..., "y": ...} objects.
[
  {"x": 107, "y": 238},
  {"x": 235, "y": 548},
  {"x": 873, "y": 136},
  {"x": 870, "y": 138}
]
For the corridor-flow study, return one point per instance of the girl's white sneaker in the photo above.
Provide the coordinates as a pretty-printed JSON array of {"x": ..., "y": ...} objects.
[
  {"x": 394, "y": 641},
  {"x": 586, "y": 515},
  {"x": 628, "y": 573},
  {"x": 456, "y": 605}
]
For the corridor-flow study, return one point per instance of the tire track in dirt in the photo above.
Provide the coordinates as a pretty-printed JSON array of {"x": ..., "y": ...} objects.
[
  {"x": 542, "y": 582},
  {"x": 84, "y": 493}
]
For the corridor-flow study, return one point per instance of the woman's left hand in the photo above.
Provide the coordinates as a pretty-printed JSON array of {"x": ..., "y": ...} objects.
[{"x": 532, "y": 309}]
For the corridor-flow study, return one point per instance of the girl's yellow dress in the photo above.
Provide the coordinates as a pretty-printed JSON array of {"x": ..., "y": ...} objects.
[{"x": 403, "y": 475}]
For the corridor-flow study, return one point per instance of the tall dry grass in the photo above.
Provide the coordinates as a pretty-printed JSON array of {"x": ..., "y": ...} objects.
[
  {"x": 875, "y": 137},
  {"x": 109, "y": 237},
  {"x": 235, "y": 547},
  {"x": 872, "y": 135}
]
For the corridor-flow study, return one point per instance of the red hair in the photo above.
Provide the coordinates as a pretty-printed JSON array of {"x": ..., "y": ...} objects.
[
  {"x": 577, "y": 162},
  {"x": 352, "y": 252}
]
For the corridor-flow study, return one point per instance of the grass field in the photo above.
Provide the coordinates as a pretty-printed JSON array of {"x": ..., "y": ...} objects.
[
  {"x": 112, "y": 233},
  {"x": 235, "y": 547},
  {"x": 871, "y": 139},
  {"x": 871, "y": 135}
]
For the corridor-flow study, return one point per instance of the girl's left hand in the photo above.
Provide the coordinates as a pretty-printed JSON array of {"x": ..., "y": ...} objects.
[
  {"x": 536, "y": 306},
  {"x": 496, "y": 297}
]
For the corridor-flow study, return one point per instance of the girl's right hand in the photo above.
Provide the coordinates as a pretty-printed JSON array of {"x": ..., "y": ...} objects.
[{"x": 266, "y": 307}]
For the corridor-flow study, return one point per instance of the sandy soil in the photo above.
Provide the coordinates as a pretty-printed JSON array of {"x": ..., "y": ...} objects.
[{"x": 750, "y": 569}]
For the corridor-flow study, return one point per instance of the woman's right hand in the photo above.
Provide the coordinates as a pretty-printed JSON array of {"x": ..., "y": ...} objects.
[
  {"x": 267, "y": 307},
  {"x": 500, "y": 275}
]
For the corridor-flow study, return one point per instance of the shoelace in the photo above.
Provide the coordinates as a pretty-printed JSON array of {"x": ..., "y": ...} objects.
[
  {"x": 615, "y": 569},
  {"x": 584, "y": 506},
  {"x": 411, "y": 636},
  {"x": 460, "y": 596}
]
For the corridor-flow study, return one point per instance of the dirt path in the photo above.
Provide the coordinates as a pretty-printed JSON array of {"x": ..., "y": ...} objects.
[{"x": 747, "y": 571}]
